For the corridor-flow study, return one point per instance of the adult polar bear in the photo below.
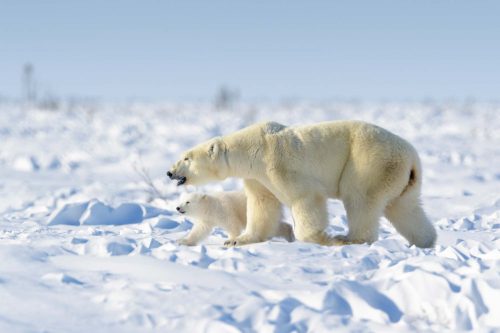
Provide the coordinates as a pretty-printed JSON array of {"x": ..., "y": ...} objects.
[{"x": 373, "y": 172}]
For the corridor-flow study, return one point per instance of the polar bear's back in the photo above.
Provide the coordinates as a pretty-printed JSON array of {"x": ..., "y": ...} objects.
[
  {"x": 323, "y": 152},
  {"x": 373, "y": 144},
  {"x": 352, "y": 130},
  {"x": 353, "y": 137}
]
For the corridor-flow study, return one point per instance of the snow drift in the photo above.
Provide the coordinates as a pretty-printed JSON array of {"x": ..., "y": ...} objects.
[{"x": 87, "y": 245}]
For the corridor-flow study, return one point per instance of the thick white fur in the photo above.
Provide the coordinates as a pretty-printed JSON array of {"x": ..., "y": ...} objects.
[
  {"x": 227, "y": 210},
  {"x": 372, "y": 171}
]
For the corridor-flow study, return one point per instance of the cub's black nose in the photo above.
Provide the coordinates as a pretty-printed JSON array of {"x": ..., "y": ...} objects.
[
  {"x": 178, "y": 208},
  {"x": 169, "y": 174}
]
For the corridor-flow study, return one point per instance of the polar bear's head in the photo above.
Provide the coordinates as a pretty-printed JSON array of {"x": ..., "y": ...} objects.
[
  {"x": 201, "y": 164},
  {"x": 192, "y": 204}
]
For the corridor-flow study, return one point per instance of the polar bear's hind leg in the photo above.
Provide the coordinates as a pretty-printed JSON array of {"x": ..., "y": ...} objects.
[
  {"x": 409, "y": 219},
  {"x": 363, "y": 221}
]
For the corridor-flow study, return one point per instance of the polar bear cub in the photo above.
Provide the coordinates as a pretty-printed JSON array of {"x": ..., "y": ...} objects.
[{"x": 226, "y": 210}]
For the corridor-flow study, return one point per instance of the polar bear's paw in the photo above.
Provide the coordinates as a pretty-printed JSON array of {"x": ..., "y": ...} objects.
[
  {"x": 345, "y": 240},
  {"x": 186, "y": 241},
  {"x": 230, "y": 242},
  {"x": 340, "y": 240},
  {"x": 241, "y": 240}
]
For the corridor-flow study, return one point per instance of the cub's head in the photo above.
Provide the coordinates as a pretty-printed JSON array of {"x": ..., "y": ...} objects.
[
  {"x": 201, "y": 164},
  {"x": 192, "y": 204}
]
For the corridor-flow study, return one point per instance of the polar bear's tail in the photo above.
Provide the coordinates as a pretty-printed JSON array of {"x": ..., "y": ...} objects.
[{"x": 407, "y": 215}]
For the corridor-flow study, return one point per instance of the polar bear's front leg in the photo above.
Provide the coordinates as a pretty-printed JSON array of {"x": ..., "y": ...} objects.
[
  {"x": 232, "y": 235},
  {"x": 197, "y": 234},
  {"x": 311, "y": 219},
  {"x": 263, "y": 214}
]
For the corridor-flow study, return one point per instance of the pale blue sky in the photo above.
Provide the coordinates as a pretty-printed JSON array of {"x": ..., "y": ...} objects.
[{"x": 316, "y": 50}]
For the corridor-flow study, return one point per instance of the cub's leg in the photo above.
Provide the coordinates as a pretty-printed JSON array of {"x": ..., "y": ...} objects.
[
  {"x": 311, "y": 219},
  {"x": 198, "y": 233},
  {"x": 263, "y": 214}
]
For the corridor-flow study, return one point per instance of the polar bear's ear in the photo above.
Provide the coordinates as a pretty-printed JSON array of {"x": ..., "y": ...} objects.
[{"x": 214, "y": 148}]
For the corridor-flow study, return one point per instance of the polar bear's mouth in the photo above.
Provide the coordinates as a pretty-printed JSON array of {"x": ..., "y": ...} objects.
[
  {"x": 180, "y": 210},
  {"x": 181, "y": 181}
]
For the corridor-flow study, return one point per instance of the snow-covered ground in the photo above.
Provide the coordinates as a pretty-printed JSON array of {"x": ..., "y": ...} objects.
[{"x": 87, "y": 246}]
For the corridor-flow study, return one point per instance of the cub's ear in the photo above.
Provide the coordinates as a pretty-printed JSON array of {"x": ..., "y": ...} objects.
[{"x": 215, "y": 148}]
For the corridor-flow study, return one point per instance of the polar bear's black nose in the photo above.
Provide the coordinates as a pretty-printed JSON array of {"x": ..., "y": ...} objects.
[
  {"x": 169, "y": 174},
  {"x": 178, "y": 208}
]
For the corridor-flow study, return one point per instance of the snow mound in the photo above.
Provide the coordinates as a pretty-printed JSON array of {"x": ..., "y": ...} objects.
[{"x": 95, "y": 212}]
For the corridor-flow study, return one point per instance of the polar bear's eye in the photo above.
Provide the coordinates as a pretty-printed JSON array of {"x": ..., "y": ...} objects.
[
  {"x": 186, "y": 159},
  {"x": 187, "y": 202}
]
